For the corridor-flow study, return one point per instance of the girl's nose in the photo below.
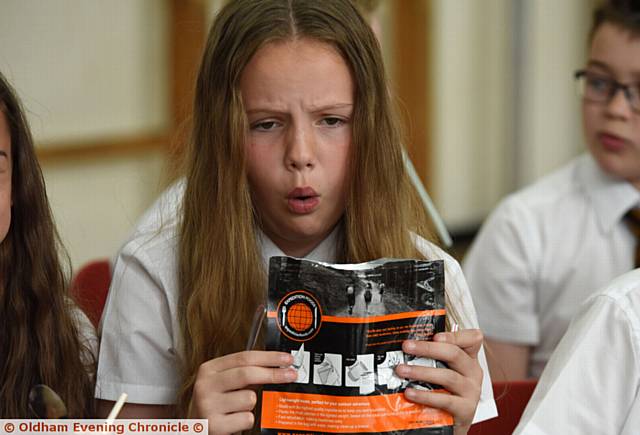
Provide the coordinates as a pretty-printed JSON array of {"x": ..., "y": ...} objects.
[{"x": 300, "y": 149}]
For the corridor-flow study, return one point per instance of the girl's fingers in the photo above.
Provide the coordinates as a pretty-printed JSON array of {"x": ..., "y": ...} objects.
[
  {"x": 248, "y": 358},
  {"x": 463, "y": 378},
  {"x": 242, "y": 377},
  {"x": 469, "y": 340},
  {"x": 232, "y": 423},
  {"x": 449, "y": 379},
  {"x": 220, "y": 392},
  {"x": 462, "y": 409},
  {"x": 238, "y": 370},
  {"x": 235, "y": 401},
  {"x": 455, "y": 357}
]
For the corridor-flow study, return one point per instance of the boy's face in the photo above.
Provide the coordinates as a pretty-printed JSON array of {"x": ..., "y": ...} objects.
[
  {"x": 612, "y": 128},
  {"x": 5, "y": 177},
  {"x": 299, "y": 98}
]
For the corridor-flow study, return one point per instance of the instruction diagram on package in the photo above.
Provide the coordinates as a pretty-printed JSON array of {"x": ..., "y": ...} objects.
[
  {"x": 301, "y": 362},
  {"x": 386, "y": 370},
  {"x": 361, "y": 374},
  {"x": 327, "y": 369}
]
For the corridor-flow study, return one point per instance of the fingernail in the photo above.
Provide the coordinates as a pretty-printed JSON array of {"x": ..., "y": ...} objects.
[
  {"x": 409, "y": 346},
  {"x": 291, "y": 375},
  {"x": 441, "y": 337},
  {"x": 411, "y": 393},
  {"x": 402, "y": 369},
  {"x": 287, "y": 359}
]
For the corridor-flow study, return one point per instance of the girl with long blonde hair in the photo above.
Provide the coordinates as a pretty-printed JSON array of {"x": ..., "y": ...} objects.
[{"x": 295, "y": 151}]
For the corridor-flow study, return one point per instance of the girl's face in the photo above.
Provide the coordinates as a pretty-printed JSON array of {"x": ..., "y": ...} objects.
[
  {"x": 298, "y": 96},
  {"x": 5, "y": 176},
  {"x": 612, "y": 128}
]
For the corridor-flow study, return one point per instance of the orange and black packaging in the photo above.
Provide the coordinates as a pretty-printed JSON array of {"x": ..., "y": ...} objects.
[{"x": 344, "y": 324}]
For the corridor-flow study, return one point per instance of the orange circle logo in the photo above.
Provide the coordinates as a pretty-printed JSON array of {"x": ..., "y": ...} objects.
[{"x": 299, "y": 316}]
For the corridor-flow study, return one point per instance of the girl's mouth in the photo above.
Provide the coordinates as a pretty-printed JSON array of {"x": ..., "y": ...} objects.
[{"x": 303, "y": 200}]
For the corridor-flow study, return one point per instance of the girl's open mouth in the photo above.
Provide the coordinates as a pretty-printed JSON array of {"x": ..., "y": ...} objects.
[{"x": 303, "y": 200}]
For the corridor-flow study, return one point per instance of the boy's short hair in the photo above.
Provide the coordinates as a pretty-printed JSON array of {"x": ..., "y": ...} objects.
[{"x": 623, "y": 13}]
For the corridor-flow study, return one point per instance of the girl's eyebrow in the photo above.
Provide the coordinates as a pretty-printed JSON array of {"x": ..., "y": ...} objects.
[
  {"x": 330, "y": 107},
  {"x": 261, "y": 110},
  {"x": 314, "y": 109}
]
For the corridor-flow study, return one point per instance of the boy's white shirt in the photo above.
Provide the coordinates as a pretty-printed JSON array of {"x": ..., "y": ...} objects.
[
  {"x": 591, "y": 384},
  {"x": 544, "y": 250},
  {"x": 140, "y": 334}
]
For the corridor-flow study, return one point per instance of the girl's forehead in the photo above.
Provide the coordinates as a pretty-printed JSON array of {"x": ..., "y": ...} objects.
[
  {"x": 300, "y": 46},
  {"x": 300, "y": 67}
]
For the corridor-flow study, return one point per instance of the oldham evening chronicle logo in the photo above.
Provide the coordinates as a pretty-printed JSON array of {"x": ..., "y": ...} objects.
[{"x": 299, "y": 316}]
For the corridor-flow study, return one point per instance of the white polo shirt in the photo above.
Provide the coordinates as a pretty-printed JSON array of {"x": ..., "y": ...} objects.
[
  {"x": 544, "y": 250},
  {"x": 87, "y": 335},
  {"x": 592, "y": 381},
  {"x": 141, "y": 339}
]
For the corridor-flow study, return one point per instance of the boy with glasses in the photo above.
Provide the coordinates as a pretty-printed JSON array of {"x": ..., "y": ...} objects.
[{"x": 545, "y": 249}]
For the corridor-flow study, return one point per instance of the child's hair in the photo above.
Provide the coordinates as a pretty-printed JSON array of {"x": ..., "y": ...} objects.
[
  {"x": 221, "y": 276},
  {"x": 623, "y": 13},
  {"x": 39, "y": 341},
  {"x": 366, "y": 7}
]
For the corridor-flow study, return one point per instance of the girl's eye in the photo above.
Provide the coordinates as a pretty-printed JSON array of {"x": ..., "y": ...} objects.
[
  {"x": 333, "y": 121},
  {"x": 264, "y": 126}
]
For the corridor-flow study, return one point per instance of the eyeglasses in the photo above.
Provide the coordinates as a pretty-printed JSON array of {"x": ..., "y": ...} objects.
[{"x": 601, "y": 89}]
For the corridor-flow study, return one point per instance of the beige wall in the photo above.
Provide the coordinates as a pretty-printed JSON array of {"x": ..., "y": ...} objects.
[
  {"x": 87, "y": 69},
  {"x": 506, "y": 111},
  {"x": 97, "y": 201},
  {"x": 472, "y": 107},
  {"x": 91, "y": 71},
  {"x": 555, "y": 45}
]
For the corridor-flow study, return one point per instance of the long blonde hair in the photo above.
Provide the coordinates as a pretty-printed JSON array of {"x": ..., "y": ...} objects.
[{"x": 221, "y": 276}]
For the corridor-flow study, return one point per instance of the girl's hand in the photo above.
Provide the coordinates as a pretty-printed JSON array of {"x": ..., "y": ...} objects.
[
  {"x": 222, "y": 392},
  {"x": 463, "y": 378}
]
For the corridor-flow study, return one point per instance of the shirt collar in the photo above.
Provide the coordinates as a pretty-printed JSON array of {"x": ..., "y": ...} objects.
[
  {"x": 611, "y": 197},
  {"x": 325, "y": 251}
]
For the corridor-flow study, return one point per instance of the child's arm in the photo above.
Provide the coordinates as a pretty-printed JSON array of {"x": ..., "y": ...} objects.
[
  {"x": 507, "y": 361},
  {"x": 463, "y": 378}
]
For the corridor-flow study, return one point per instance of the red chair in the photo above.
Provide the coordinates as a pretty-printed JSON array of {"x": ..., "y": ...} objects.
[
  {"x": 511, "y": 399},
  {"x": 90, "y": 286}
]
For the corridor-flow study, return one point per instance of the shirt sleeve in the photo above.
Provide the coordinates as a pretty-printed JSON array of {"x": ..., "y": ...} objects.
[
  {"x": 458, "y": 297},
  {"x": 137, "y": 351},
  {"x": 87, "y": 335},
  {"x": 500, "y": 269},
  {"x": 591, "y": 382}
]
